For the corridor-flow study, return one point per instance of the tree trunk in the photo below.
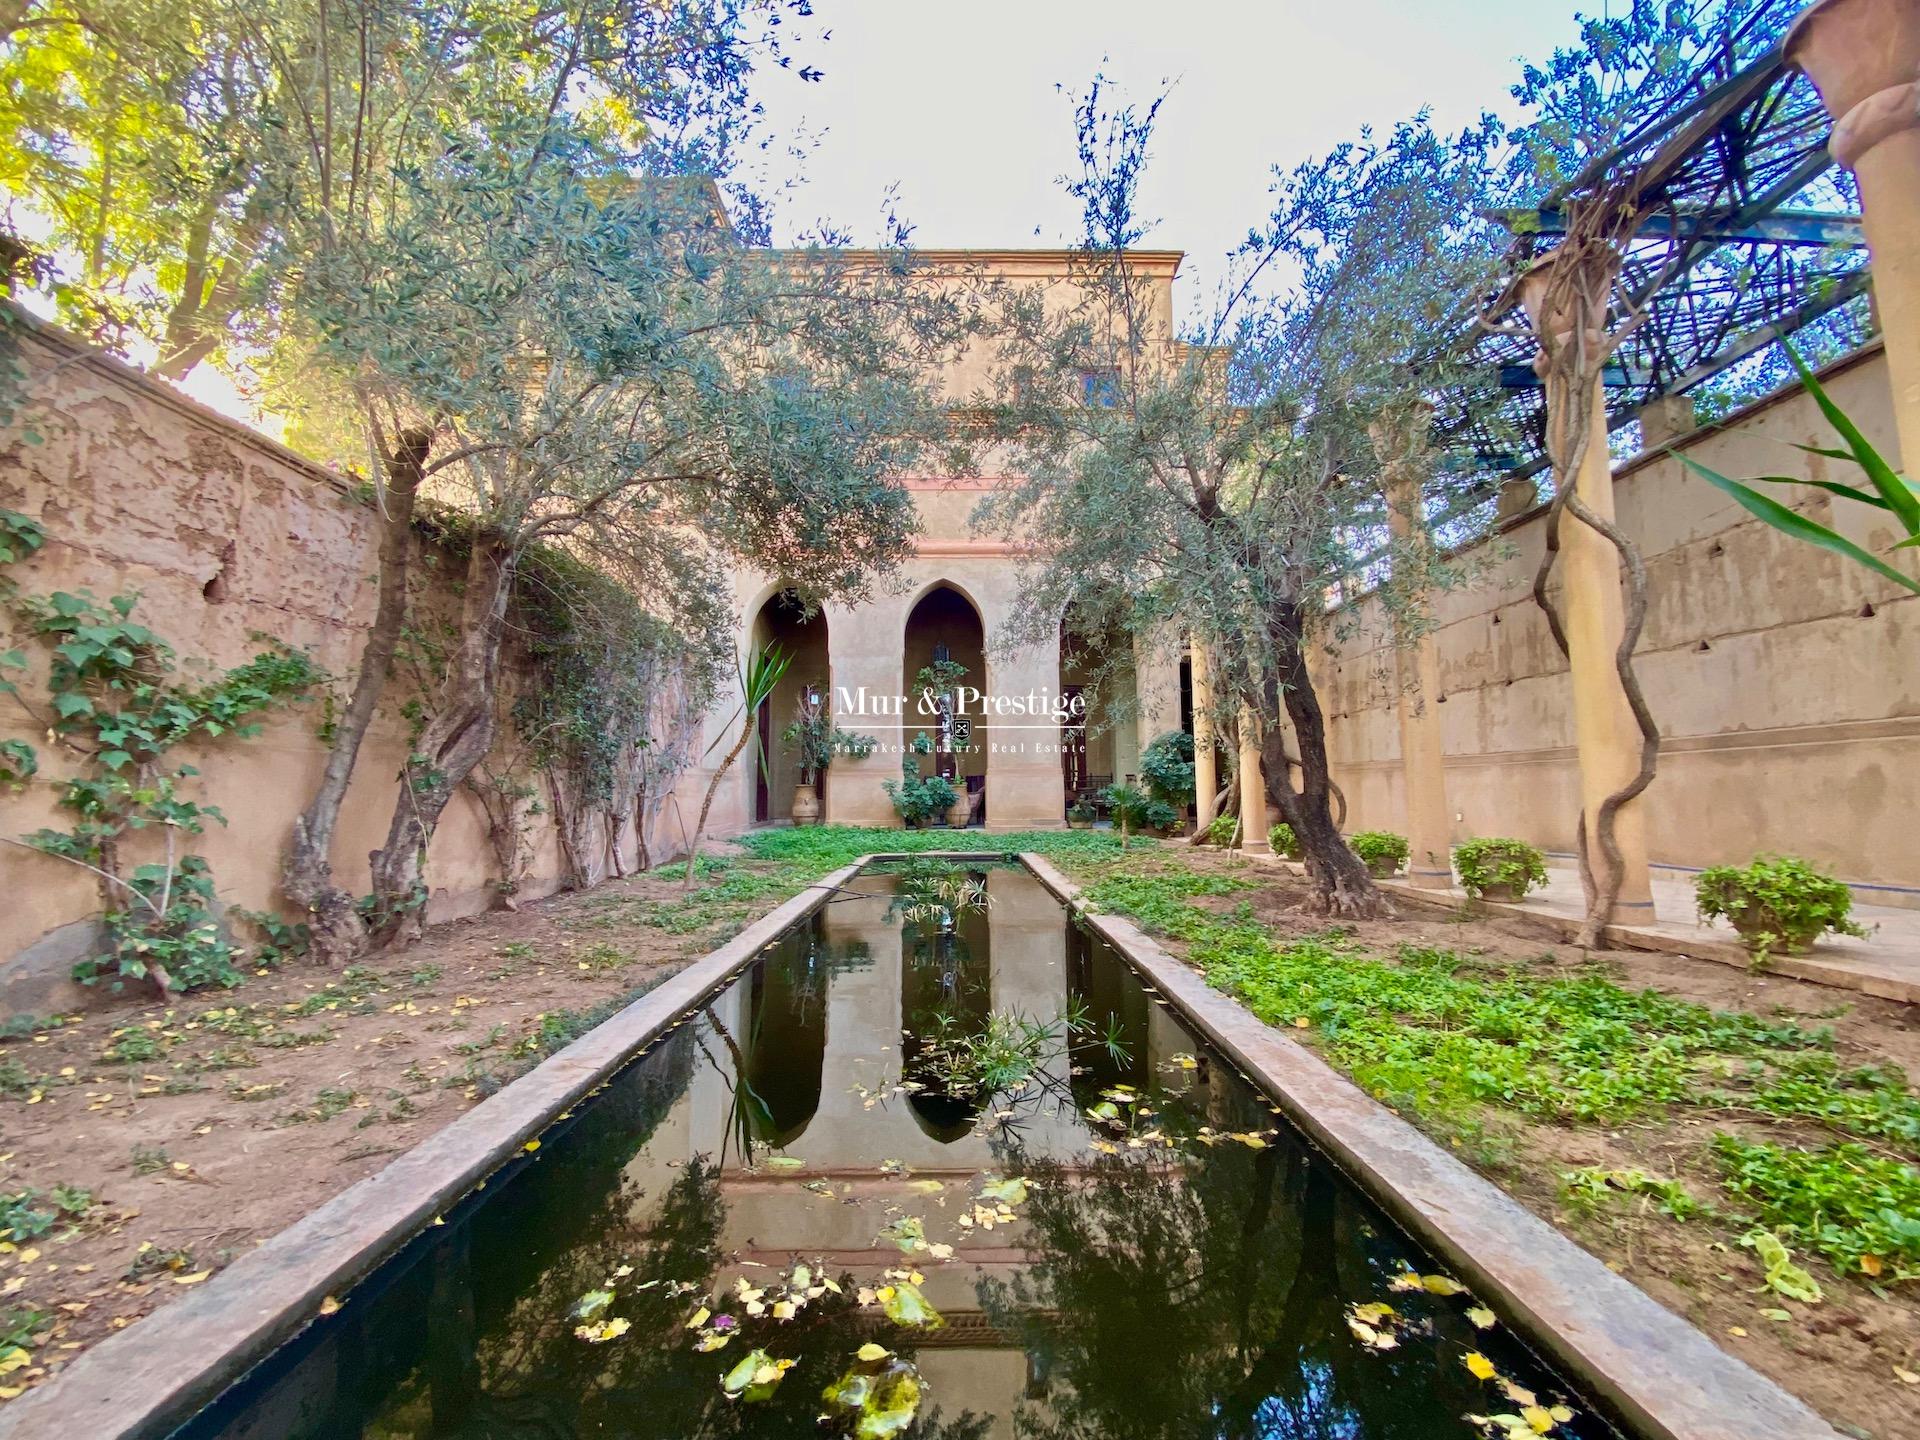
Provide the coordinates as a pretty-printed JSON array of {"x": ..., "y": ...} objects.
[
  {"x": 307, "y": 878},
  {"x": 713, "y": 788},
  {"x": 1341, "y": 885},
  {"x": 455, "y": 741}
]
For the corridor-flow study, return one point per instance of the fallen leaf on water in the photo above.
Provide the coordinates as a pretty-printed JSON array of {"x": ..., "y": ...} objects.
[
  {"x": 699, "y": 1318},
  {"x": 329, "y": 1306},
  {"x": 1482, "y": 1317},
  {"x": 591, "y": 1304},
  {"x": 877, "y": 1398},
  {"x": 755, "y": 1378},
  {"x": 1481, "y": 1367},
  {"x": 1007, "y": 1192},
  {"x": 907, "y": 1233},
  {"x": 905, "y": 1305},
  {"x": 926, "y": 1187},
  {"x": 870, "y": 1352},
  {"x": 598, "y": 1334}
]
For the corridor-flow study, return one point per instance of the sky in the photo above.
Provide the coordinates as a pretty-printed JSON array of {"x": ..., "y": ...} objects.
[{"x": 957, "y": 104}]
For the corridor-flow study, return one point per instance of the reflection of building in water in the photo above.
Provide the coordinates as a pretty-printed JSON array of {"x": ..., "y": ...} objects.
[{"x": 823, "y": 1052}]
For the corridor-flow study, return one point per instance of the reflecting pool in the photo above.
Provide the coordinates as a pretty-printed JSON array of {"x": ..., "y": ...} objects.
[{"x": 937, "y": 1165}]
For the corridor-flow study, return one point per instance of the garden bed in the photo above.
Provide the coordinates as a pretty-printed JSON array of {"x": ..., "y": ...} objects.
[{"x": 1601, "y": 1108}]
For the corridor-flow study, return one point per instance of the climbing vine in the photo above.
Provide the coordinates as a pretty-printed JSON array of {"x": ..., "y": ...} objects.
[{"x": 115, "y": 703}]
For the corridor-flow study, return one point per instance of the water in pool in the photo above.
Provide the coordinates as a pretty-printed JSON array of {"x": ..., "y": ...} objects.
[{"x": 937, "y": 1165}]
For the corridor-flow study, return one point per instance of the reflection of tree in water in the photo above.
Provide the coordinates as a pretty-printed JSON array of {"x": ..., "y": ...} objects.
[
  {"x": 532, "y": 1377},
  {"x": 1207, "y": 1298},
  {"x": 946, "y": 990}
]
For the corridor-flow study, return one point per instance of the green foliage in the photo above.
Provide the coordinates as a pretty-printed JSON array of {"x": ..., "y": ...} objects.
[
  {"x": 1590, "y": 1184},
  {"x": 1134, "y": 810},
  {"x": 918, "y": 799},
  {"x": 115, "y": 701},
  {"x": 818, "y": 740},
  {"x": 1284, "y": 841},
  {"x": 1433, "y": 1031},
  {"x": 1891, "y": 493},
  {"x": 1166, "y": 769},
  {"x": 1223, "y": 829},
  {"x": 818, "y": 849},
  {"x": 1493, "y": 860},
  {"x": 1856, "y": 1207},
  {"x": 1776, "y": 902},
  {"x": 28, "y": 1214},
  {"x": 1379, "y": 847},
  {"x": 999, "y": 1053}
]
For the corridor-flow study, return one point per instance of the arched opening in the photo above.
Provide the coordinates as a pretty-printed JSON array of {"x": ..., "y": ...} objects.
[
  {"x": 1099, "y": 734},
  {"x": 944, "y": 651},
  {"x": 786, "y": 1038},
  {"x": 783, "y": 620}
]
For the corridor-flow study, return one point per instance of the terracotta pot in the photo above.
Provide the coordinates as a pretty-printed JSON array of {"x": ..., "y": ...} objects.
[
  {"x": 806, "y": 804},
  {"x": 1502, "y": 892},
  {"x": 1383, "y": 868},
  {"x": 1754, "y": 927},
  {"x": 959, "y": 812}
]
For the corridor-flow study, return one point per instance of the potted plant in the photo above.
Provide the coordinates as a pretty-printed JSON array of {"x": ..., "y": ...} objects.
[
  {"x": 1081, "y": 812},
  {"x": 1284, "y": 841},
  {"x": 1777, "y": 903},
  {"x": 916, "y": 798},
  {"x": 1500, "y": 869},
  {"x": 816, "y": 740},
  {"x": 1221, "y": 831},
  {"x": 1382, "y": 851}
]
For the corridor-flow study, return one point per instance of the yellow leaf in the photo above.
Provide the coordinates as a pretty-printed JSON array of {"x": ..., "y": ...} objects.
[
  {"x": 1482, "y": 1317},
  {"x": 1872, "y": 1265},
  {"x": 700, "y": 1318},
  {"x": 1539, "y": 1419},
  {"x": 329, "y": 1306},
  {"x": 1441, "y": 1285},
  {"x": 1481, "y": 1367},
  {"x": 193, "y": 1279},
  {"x": 1905, "y": 1376},
  {"x": 531, "y": 1146},
  {"x": 870, "y": 1352}
]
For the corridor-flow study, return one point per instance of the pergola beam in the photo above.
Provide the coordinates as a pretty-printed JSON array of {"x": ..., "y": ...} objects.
[{"x": 1817, "y": 228}]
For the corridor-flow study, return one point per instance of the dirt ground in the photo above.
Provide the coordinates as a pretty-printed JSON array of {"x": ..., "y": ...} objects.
[
  {"x": 200, "y": 1129},
  {"x": 1840, "y": 1356}
]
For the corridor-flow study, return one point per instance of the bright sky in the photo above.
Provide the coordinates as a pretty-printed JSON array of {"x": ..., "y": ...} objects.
[{"x": 958, "y": 106}]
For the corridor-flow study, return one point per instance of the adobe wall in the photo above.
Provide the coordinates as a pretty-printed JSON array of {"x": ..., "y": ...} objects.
[
  {"x": 1786, "y": 681},
  {"x": 224, "y": 536}
]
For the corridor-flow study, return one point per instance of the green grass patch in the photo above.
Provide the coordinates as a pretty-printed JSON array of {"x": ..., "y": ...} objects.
[{"x": 1454, "y": 1040}]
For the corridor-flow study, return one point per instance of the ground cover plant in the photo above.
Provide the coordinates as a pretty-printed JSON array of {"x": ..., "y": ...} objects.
[{"x": 1669, "y": 1135}]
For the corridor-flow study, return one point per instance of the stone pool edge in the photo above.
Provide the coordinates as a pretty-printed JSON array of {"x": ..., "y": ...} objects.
[
  {"x": 1660, "y": 1374},
  {"x": 155, "y": 1375}
]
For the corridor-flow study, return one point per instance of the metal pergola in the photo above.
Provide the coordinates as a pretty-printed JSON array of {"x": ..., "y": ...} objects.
[{"x": 1753, "y": 236}]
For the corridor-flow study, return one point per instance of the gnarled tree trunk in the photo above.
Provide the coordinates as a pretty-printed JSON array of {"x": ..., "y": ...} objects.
[
  {"x": 454, "y": 742},
  {"x": 1341, "y": 885},
  {"x": 307, "y": 878}
]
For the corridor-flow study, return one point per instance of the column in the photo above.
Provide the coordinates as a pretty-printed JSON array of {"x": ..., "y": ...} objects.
[
  {"x": 1253, "y": 791},
  {"x": 863, "y": 651},
  {"x": 1025, "y": 787},
  {"x": 1864, "y": 58},
  {"x": 1397, "y": 441},
  {"x": 1594, "y": 612},
  {"x": 1206, "y": 775}
]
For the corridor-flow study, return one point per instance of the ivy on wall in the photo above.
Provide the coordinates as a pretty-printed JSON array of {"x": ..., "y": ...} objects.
[{"x": 115, "y": 703}]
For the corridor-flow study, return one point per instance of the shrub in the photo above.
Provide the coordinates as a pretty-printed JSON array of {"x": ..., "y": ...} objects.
[
  {"x": 1497, "y": 861},
  {"x": 1284, "y": 841},
  {"x": 1777, "y": 902},
  {"x": 1383, "y": 851},
  {"x": 917, "y": 798},
  {"x": 1133, "y": 810},
  {"x": 1166, "y": 769},
  {"x": 1220, "y": 832}
]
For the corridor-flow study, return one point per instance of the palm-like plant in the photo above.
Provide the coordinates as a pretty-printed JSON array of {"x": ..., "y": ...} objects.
[
  {"x": 765, "y": 669},
  {"x": 1891, "y": 492}
]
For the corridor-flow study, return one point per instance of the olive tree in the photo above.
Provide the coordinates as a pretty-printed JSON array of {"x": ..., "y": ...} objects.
[{"x": 1219, "y": 480}]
